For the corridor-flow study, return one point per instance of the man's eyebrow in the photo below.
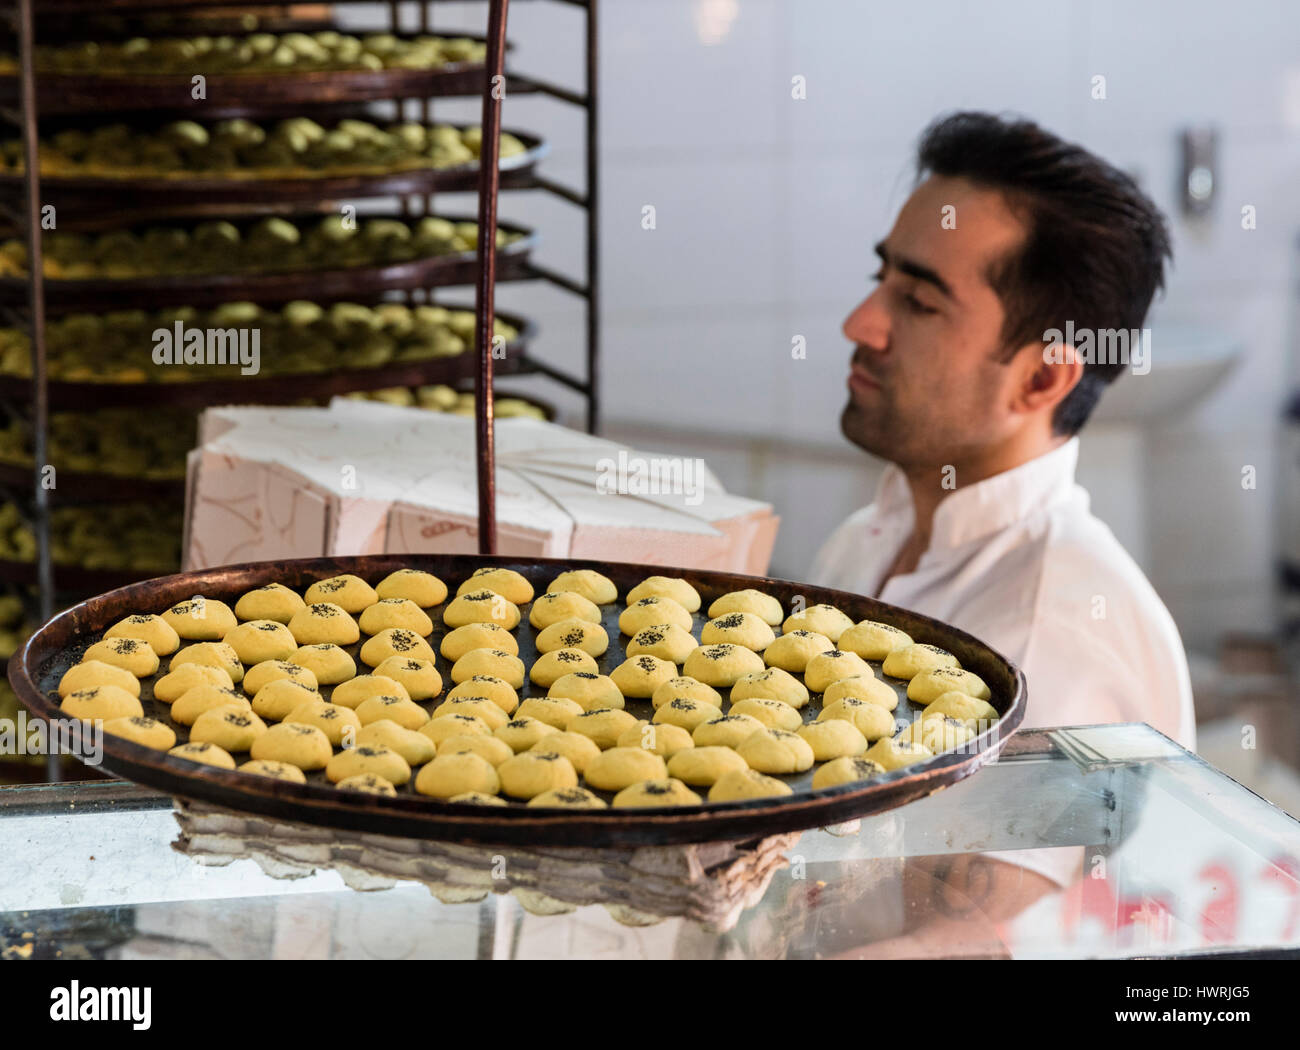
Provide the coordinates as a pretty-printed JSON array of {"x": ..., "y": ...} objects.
[{"x": 915, "y": 269}]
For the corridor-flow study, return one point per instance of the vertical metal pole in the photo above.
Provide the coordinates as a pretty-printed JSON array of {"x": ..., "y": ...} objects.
[
  {"x": 489, "y": 184},
  {"x": 593, "y": 231},
  {"x": 36, "y": 288}
]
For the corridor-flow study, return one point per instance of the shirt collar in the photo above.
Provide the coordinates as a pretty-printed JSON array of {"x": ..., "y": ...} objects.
[{"x": 973, "y": 512}]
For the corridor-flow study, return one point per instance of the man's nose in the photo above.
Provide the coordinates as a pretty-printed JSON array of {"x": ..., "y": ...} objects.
[{"x": 868, "y": 324}]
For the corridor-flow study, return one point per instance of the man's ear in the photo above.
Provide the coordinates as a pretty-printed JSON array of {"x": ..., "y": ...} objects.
[{"x": 1046, "y": 373}]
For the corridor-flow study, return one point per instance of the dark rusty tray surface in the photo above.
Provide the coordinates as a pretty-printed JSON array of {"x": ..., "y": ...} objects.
[{"x": 36, "y": 668}]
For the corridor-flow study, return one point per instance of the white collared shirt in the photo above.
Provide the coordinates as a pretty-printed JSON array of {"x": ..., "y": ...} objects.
[{"x": 1019, "y": 561}]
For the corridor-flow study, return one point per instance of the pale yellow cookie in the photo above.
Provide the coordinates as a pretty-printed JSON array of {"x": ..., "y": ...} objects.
[
  {"x": 171, "y": 687},
  {"x": 871, "y": 720},
  {"x": 722, "y": 665},
  {"x": 756, "y": 603},
  {"x": 488, "y": 747},
  {"x": 772, "y": 713},
  {"x": 685, "y": 713},
  {"x": 872, "y": 640},
  {"x": 568, "y": 798},
  {"x": 498, "y": 690},
  {"x": 866, "y": 688},
  {"x": 701, "y": 766},
  {"x": 477, "y": 798},
  {"x": 130, "y": 654},
  {"x": 148, "y": 732},
  {"x": 154, "y": 630},
  {"x": 265, "y": 767},
  {"x": 589, "y": 691},
  {"x": 522, "y": 733},
  {"x": 259, "y": 640},
  {"x": 529, "y": 773},
  {"x": 350, "y": 593},
  {"x": 826, "y": 668},
  {"x": 420, "y": 678},
  {"x": 201, "y": 698},
  {"x": 771, "y": 684},
  {"x": 275, "y": 670},
  {"x": 211, "y": 654},
  {"x": 414, "y": 748},
  {"x": 90, "y": 673},
  {"x": 727, "y": 731},
  {"x": 367, "y": 783},
  {"x": 915, "y": 659},
  {"x": 650, "y": 794},
  {"x": 406, "y": 713},
  {"x": 295, "y": 744},
  {"x": 664, "y": 740},
  {"x": 777, "y": 751},
  {"x": 457, "y": 643},
  {"x": 742, "y": 784},
  {"x": 819, "y": 619},
  {"x": 444, "y": 727},
  {"x": 939, "y": 733},
  {"x": 334, "y": 721},
  {"x": 967, "y": 708},
  {"x": 553, "y": 608},
  {"x": 928, "y": 686},
  {"x": 893, "y": 754},
  {"x": 792, "y": 651},
  {"x": 378, "y": 761},
  {"x": 481, "y": 606},
  {"x": 232, "y": 728},
  {"x": 639, "y": 676},
  {"x": 834, "y": 738},
  {"x": 395, "y": 613},
  {"x": 330, "y": 664},
  {"x": 573, "y": 634},
  {"x": 578, "y": 749},
  {"x": 355, "y": 691},
  {"x": 395, "y": 641},
  {"x": 845, "y": 771},
  {"x": 621, "y": 767},
  {"x": 652, "y": 611},
  {"x": 204, "y": 753},
  {"x": 416, "y": 585},
  {"x": 101, "y": 703},
  {"x": 596, "y": 588},
  {"x": 673, "y": 587},
  {"x": 680, "y": 687},
  {"x": 276, "y": 700},
  {"x": 603, "y": 726},
  {"x": 274, "y": 601},
  {"x": 511, "y": 585},
  {"x": 323, "y": 622},
  {"x": 495, "y": 662},
  {"x": 666, "y": 641},
  {"x": 480, "y": 707},
  {"x": 550, "y": 667},
  {"x": 553, "y": 710},
  {"x": 200, "y": 619},
  {"x": 738, "y": 628}
]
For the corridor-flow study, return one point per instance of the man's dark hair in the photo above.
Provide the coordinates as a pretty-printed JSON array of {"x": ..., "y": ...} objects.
[{"x": 1095, "y": 248}]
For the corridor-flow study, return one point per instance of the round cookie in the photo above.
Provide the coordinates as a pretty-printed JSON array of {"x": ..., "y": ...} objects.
[
  {"x": 573, "y": 633},
  {"x": 664, "y": 740},
  {"x": 257, "y": 641},
  {"x": 202, "y": 698},
  {"x": 826, "y": 668},
  {"x": 265, "y": 767},
  {"x": 553, "y": 710},
  {"x": 91, "y": 673},
  {"x": 406, "y": 713},
  {"x": 701, "y": 766},
  {"x": 480, "y": 707},
  {"x": 232, "y": 728},
  {"x": 276, "y": 700},
  {"x": 378, "y": 761},
  {"x": 684, "y": 688},
  {"x": 323, "y": 622},
  {"x": 211, "y": 654},
  {"x": 481, "y": 606},
  {"x": 834, "y": 738},
  {"x": 772, "y": 713},
  {"x": 522, "y": 733},
  {"x": 727, "y": 731},
  {"x": 568, "y": 798},
  {"x": 928, "y": 686},
  {"x": 819, "y": 619},
  {"x": 330, "y": 664},
  {"x": 416, "y": 585},
  {"x": 204, "y": 753},
  {"x": 130, "y": 654},
  {"x": 673, "y": 587},
  {"x": 273, "y": 671},
  {"x": 639, "y": 676},
  {"x": 172, "y": 686},
  {"x": 498, "y": 690},
  {"x": 200, "y": 619},
  {"x": 334, "y": 721},
  {"x": 101, "y": 703},
  {"x": 402, "y": 613},
  {"x": 872, "y": 640},
  {"x": 148, "y": 732},
  {"x": 916, "y": 659},
  {"x": 160, "y": 636},
  {"x": 939, "y": 733},
  {"x": 273, "y": 602},
  {"x": 756, "y": 603},
  {"x": 444, "y": 727},
  {"x": 722, "y": 665},
  {"x": 962, "y": 706},
  {"x": 771, "y": 684},
  {"x": 295, "y": 744},
  {"x": 578, "y": 749},
  {"x": 512, "y": 586},
  {"x": 420, "y": 678},
  {"x": 554, "y": 607},
  {"x": 871, "y": 720},
  {"x": 477, "y": 798},
  {"x": 652, "y": 611},
  {"x": 685, "y": 713},
  {"x": 488, "y": 747},
  {"x": 891, "y": 754},
  {"x": 495, "y": 662},
  {"x": 845, "y": 771},
  {"x": 653, "y": 793},
  {"x": 596, "y": 588},
  {"x": 551, "y": 667},
  {"x": 792, "y": 651},
  {"x": 621, "y": 767},
  {"x": 666, "y": 641},
  {"x": 355, "y": 691},
  {"x": 367, "y": 783},
  {"x": 589, "y": 691},
  {"x": 527, "y": 774},
  {"x": 395, "y": 641},
  {"x": 350, "y": 593},
  {"x": 777, "y": 751},
  {"x": 603, "y": 726},
  {"x": 867, "y": 688},
  {"x": 742, "y": 784},
  {"x": 457, "y": 643},
  {"x": 738, "y": 628}
]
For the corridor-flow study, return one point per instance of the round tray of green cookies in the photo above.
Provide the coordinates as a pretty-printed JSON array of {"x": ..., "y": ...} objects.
[{"x": 499, "y": 700}]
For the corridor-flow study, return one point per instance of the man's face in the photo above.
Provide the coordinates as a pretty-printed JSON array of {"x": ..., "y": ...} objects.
[{"x": 927, "y": 384}]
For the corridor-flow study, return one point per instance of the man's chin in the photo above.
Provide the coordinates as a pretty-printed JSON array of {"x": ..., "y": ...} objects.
[{"x": 864, "y": 430}]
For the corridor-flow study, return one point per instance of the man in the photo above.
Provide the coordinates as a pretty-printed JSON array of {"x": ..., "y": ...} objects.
[{"x": 958, "y": 380}]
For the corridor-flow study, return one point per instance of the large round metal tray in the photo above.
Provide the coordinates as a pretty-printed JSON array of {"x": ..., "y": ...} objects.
[{"x": 36, "y": 668}]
